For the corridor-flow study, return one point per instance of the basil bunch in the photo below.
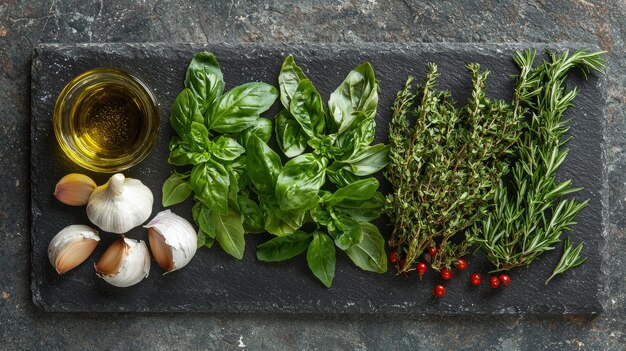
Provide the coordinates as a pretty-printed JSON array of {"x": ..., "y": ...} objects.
[
  {"x": 213, "y": 129},
  {"x": 338, "y": 138}
]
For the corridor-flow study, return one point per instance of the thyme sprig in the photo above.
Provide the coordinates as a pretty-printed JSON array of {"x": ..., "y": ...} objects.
[
  {"x": 570, "y": 259},
  {"x": 531, "y": 212},
  {"x": 445, "y": 166}
]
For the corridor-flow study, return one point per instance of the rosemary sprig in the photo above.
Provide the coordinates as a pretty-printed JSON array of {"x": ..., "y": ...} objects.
[
  {"x": 531, "y": 212},
  {"x": 570, "y": 259},
  {"x": 444, "y": 167}
]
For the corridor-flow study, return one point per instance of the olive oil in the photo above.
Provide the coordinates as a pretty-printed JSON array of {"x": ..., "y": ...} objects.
[
  {"x": 106, "y": 120},
  {"x": 109, "y": 122}
]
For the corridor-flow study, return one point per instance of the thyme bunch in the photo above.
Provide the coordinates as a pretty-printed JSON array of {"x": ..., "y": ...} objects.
[
  {"x": 531, "y": 212},
  {"x": 444, "y": 166}
]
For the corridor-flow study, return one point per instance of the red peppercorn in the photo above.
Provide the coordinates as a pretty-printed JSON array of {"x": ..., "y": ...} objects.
[
  {"x": 432, "y": 251},
  {"x": 476, "y": 279},
  {"x": 393, "y": 257},
  {"x": 439, "y": 290},
  {"x": 460, "y": 264},
  {"x": 494, "y": 282},
  {"x": 504, "y": 279},
  {"x": 421, "y": 268},
  {"x": 446, "y": 273},
  {"x": 402, "y": 263}
]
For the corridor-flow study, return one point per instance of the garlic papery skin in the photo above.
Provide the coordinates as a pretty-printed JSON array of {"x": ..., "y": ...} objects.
[
  {"x": 72, "y": 246},
  {"x": 120, "y": 205},
  {"x": 74, "y": 189},
  {"x": 125, "y": 262},
  {"x": 173, "y": 240}
]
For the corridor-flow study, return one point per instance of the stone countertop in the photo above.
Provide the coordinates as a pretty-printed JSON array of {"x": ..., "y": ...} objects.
[{"x": 24, "y": 24}]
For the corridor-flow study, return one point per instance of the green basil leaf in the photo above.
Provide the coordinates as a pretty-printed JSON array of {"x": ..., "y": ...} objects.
[
  {"x": 347, "y": 232},
  {"x": 362, "y": 211},
  {"x": 357, "y": 93},
  {"x": 276, "y": 226},
  {"x": 205, "y": 240},
  {"x": 204, "y": 218},
  {"x": 238, "y": 168},
  {"x": 369, "y": 160},
  {"x": 365, "y": 133},
  {"x": 264, "y": 166},
  {"x": 227, "y": 149},
  {"x": 262, "y": 128},
  {"x": 324, "y": 195},
  {"x": 233, "y": 189},
  {"x": 185, "y": 110},
  {"x": 300, "y": 181},
  {"x": 199, "y": 135},
  {"x": 175, "y": 142},
  {"x": 369, "y": 254},
  {"x": 183, "y": 154},
  {"x": 175, "y": 189},
  {"x": 293, "y": 218},
  {"x": 240, "y": 164},
  {"x": 357, "y": 136},
  {"x": 288, "y": 79},
  {"x": 253, "y": 221},
  {"x": 210, "y": 182},
  {"x": 320, "y": 256},
  {"x": 362, "y": 189},
  {"x": 240, "y": 107},
  {"x": 279, "y": 222},
  {"x": 307, "y": 108},
  {"x": 290, "y": 136},
  {"x": 229, "y": 233},
  {"x": 341, "y": 177},
  {"x": 284, "y": 248},
  {"x": 204, "y": 78},
  {"x": 321, "y": 216},
  {"x": 323, "y": 145}
]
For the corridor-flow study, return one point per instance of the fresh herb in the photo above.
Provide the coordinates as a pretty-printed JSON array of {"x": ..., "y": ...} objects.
[
  {"x": 531, "y": 212},
  {"x": 337, "y": 138},
  {"x": 444, "y": 166},
  {"x": 570, "y": 259},
  {"x": 213, "y": 129},
  {"x": 176, "y": 189}
]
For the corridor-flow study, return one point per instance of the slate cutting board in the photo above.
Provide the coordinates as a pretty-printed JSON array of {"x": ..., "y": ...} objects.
[{"x": 213, "y": 281}]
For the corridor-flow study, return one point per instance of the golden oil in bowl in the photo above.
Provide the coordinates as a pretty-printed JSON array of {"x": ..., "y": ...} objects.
[{"x": 106, "y": 120}]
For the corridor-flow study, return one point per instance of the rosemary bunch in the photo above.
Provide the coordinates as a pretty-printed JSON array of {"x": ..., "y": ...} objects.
[
  {"x": 530, "y": 214},
  {"x": 445, "y": 166}
]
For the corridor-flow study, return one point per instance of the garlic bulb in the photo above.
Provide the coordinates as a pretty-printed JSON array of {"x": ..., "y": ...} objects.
[
  {"x": 120, "y": 205},
  {"x": 126, "y": 262},
  {"x": 74, "y": 189},
  {"x": 72, "y": 246},
  {"x": 173, "y": 240}
]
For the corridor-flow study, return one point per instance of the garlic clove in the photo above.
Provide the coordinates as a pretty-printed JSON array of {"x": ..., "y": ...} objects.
[
  {"x": 113, "y": 258},
  {"x": 72, "y": 246},
  {"x": 120, "y": 205},
  {"x": 74, "y": 189},
  {"x": 161, "y": 252},
  {"x": 124, "y": 263},
  {"x": 173, "y": 240}
]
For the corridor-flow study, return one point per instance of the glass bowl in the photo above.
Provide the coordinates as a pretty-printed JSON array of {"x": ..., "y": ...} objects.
[{"x": 106, "y": 120}]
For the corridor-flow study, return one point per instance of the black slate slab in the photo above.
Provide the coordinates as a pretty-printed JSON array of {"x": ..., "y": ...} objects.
[{"x": 214, "y": 282}]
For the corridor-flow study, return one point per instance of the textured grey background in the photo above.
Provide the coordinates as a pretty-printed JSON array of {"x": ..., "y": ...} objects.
[
  {"x": 24, "y": 24},
  {"x": 214, "y": 282}
]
